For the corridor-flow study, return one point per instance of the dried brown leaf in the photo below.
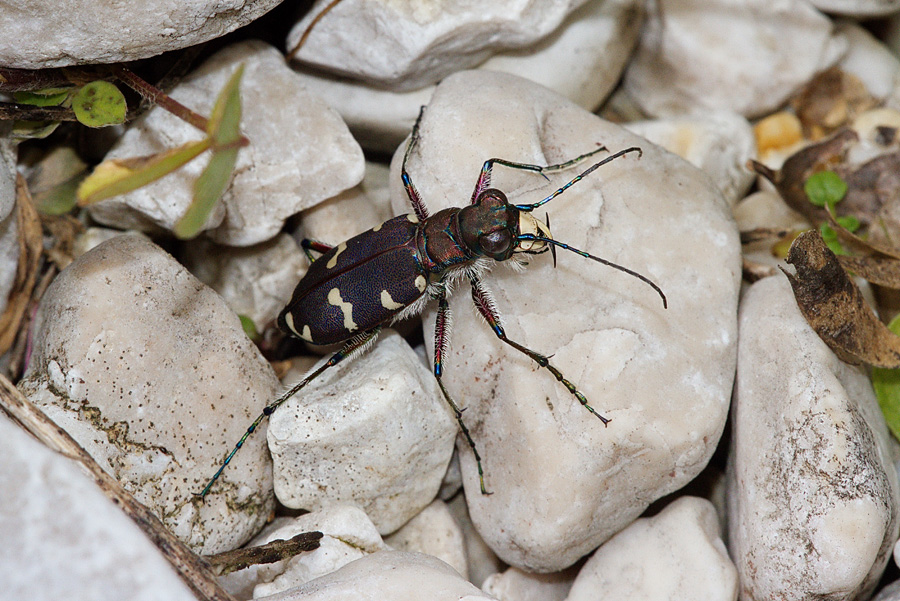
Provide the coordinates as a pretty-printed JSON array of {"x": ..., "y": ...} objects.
[
  {"x": 834, "y": 306},
  {"x": 877, "y": 269},
  {"x": 789, "y": 180},
  {"x": 830, "y": 101}
]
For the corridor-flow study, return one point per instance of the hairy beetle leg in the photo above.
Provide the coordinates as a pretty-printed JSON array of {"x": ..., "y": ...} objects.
[
  {"x": 440, "y": 345},
  {"x": 485, "y": 305},
  {"x": 309, "y": 246}
]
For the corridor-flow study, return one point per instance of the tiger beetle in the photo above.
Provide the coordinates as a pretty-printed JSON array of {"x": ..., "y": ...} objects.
[{"x": 391, "y": 271}]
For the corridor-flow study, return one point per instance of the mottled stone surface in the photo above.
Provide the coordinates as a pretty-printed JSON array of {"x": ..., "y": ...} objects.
[
  {"x": 150, "y": 371},
  {"x": 812, "y": 492}
]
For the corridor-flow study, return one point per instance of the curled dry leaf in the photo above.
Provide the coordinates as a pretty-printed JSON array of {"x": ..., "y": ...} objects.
[
  {"x": 830, "y": 101},
  {"x": 834, "y": 306},
  {"x": 790, "y": 179}
]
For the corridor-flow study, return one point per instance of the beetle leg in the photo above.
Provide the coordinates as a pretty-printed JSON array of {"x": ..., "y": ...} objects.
[
  {"x": 354, "y": 345},
  {"x": 309, "y": 245},
  {"x": 441, "y": 333},
  {"x": 486, "y": 306},
  {"x": 414, "y": 199},
  {"x": 484, "y": 178}
]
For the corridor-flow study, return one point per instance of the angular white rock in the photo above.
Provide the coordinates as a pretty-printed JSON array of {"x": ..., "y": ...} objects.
[
  {"x": 677, "y": 554},
  {"x": 813, "y": 494},
  {"x": 591, "y": 45},
  {"x": 64, "y": 539},
  {"x": 433, "y": 531},
  {"x": 408, "y": 45},
  {"x": 720, "y": 143},
  {"x": 744, "y": 56},
  {"x": 300, "y": 152},
  {"x": 9, "y": 229},
  {"x": 256, "y": 281},
  {"x": 561, "y": 482},
  {"x": 516, "y": 585},
  {"x": 388, "y": 575},
  {"x": 86, "y": 32},
  {"x": 149, "y": 370},
  {"x": 373, "y": 430},
  {"x": 349, "y": 535}
]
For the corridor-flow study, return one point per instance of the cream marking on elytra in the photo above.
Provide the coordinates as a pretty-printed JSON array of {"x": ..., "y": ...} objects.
[
  {"x": 421, "y": 283},
  {"x": 289, "y": 320},
  {"x": 377, "y": 227},
  {"x": 333, "y": 260},
  {"x": 334, "y": 298},
  {"x": 412, "y": 218},
  {"x": 388, "y": 303}
]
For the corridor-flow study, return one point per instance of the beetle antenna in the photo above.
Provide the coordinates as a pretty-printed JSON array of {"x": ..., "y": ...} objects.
[
  {"x": 552, "y": 247},
  {"x": 578, "y": 178},
  {"x": 565, "y": 246}
]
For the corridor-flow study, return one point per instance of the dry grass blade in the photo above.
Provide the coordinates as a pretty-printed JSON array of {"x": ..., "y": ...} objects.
[{"x": 30, "y": 248}]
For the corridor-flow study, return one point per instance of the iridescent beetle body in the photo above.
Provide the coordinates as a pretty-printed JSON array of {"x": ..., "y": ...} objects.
[
  {"x": 336, "y": 298},
  {"x": 392, "y": 270}
]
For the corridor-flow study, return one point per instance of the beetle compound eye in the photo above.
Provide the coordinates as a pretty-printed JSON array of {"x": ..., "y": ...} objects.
[{"x": 496, "y": 243}]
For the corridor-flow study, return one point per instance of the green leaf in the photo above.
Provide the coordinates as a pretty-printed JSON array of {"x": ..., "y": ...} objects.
[
  {"x": 207, "y": 190},
  {"x": 249, "y": 327},
  {"x": 118, "y": 176},
  {"x": 886, "y": 383},
  {"x": 825, "y": 188},
  {"x": 831, "y": 239},
  {"x": 49, "y": 97},
  {"x": 33, "y": 130},
  {"x": 225, "y": 121},
  {"x": 98, "y": 104},
  {"x": 848, "y": 222},
  {"x": 225, "y": 134}
]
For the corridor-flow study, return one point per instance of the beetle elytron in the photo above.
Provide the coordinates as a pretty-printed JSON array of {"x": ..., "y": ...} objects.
[{"x": 394, "y": 269}]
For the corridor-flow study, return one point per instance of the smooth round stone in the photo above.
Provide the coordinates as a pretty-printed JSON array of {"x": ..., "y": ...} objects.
[
  {"x": 433, "y": 531},
  {"x": 810, "y": 467},
  {"x": 743, "y": 56},
  {"x": 90, "y": 32},
  {"x": 373, "y": 430},
  {"x": 869, "y": 59},
  {"x": 151, "y": 373},
  {"x": 300, "y": 152},
  {"x": 594, "y": 43},
  {"x": 676, "y": 554},
  {"x": 563, "y": 483},
  {"x": 517, "y": 585},
  {"x": 408, "y": 45},
  {"x": 64, "y": 539},
  {"x": 388, "y": 575},
  {"x": 719, "y": 143},
  {"x": 858, "y": 9}
]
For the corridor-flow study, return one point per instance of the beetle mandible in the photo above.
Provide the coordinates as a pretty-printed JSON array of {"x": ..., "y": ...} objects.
[{"x": 417, "y": 258}]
